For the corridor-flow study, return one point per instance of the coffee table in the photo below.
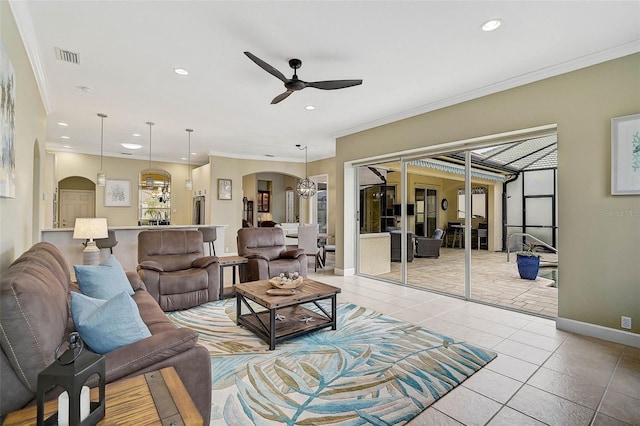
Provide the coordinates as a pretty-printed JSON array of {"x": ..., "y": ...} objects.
[{"x": 284, "y": 316}]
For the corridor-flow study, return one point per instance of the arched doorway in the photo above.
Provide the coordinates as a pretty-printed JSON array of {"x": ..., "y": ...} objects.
[{"x": 77, "y": 199}]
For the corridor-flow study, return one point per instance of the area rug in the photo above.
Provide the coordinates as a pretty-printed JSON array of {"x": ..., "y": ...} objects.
[{"x": 373, "y": 369}]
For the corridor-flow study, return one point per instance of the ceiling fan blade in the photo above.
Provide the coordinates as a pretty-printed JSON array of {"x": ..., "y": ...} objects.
[
  {"x": 333, "y": 84},
  {"x": 281, "y": 97},
  {"x": 265, "y": 66}
]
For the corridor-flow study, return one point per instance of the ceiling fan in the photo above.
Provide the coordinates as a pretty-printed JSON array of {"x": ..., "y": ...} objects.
[{"x": 295, "y": 84}]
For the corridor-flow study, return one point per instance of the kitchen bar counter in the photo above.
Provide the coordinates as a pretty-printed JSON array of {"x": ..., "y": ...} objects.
[{"x": 127, "y": 249}]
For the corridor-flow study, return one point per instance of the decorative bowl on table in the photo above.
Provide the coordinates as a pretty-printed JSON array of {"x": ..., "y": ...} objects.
[{"x": 287, "y": 280}]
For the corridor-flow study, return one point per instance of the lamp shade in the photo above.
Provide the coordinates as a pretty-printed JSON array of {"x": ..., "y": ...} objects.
[{"x": 90, "y": 227}]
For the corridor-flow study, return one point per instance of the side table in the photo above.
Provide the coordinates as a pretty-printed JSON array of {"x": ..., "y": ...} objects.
[
  {"x": 158, "y": 397},
  {"x": 229, "y": 261}
]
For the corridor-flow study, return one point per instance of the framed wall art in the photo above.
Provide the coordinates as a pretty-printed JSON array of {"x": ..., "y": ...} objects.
[
  {"x": 625, "y": 155},
  {"x": 117, "y": 193},
  {"x": 224, "y": 189},
  {"x": 8, "y": 127}
]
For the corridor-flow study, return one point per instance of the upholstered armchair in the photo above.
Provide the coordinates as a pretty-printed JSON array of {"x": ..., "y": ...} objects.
[
  {"x": 267, "y": 254},
  {"x": 429, "y": 247},
  {"x": 174, "y": 269}
]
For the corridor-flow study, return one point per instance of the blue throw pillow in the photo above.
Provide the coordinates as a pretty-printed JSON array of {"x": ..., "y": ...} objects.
[
  {"x": 106, "y": 325},
  {"x": 103, "y": 281}
]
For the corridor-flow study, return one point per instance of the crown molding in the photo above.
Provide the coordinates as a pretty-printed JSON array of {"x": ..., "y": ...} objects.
[
  {"x": 531, "y": 77},
  {"x": 27, "y": 32}
]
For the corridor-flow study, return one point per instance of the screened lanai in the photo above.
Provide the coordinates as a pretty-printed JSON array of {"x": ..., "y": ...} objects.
[{"x": 513, "y": 193}]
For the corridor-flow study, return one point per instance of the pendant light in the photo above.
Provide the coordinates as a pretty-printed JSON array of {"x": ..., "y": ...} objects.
[
  {"x": 149, "y": 181},
  {"x": 101, "y": 179},
  {"x": 306, "y": 188},
  {"x": 188, "y": 184}
]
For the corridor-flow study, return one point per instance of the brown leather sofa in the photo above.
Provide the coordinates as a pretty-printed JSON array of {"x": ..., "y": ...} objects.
[
  {"x": 267, "y": 254},
  {"x": 35, "y": 318},
  {"x": 174, "y": 269}
]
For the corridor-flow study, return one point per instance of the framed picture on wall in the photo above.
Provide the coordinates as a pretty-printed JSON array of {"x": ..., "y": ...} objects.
[
  {"x": 224, "y": 189},
  {"x": 625, "y": 155},
  {"x": 117, "y": 193}
]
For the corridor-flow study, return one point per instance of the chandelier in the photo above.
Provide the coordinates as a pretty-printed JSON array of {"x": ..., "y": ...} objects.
[{"x": 306, "y": 188}]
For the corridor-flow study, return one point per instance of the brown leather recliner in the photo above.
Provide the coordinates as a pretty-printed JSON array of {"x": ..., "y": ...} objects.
[
  {"x": 267, "y": 254},
  {"x": 174, "y": 269}
]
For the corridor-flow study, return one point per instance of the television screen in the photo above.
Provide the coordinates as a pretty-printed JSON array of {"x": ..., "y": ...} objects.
[{"x": 410, "y": 209}]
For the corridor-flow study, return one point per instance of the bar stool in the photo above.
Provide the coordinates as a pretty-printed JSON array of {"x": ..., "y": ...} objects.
[
  {"x": 110, "y": 242},
  {"x": 209, "y": 235},
  {"x": 327, "y": 248}
]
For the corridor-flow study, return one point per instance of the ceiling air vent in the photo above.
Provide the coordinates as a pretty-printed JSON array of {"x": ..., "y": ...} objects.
[
  {"x": 125, "y": 153},
  {"x": 66, "y": 56}
]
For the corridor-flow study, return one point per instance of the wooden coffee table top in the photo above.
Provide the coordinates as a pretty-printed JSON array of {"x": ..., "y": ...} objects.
[
  {"x": 309, "y": 290},
  {"x": 129, "y": 401}
]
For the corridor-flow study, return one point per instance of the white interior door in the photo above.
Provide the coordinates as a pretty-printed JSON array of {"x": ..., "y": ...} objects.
[{"x": 76, "y": 203}]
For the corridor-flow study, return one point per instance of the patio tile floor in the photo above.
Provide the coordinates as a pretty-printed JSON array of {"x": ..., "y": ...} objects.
[{"x": 493, "y": 280}]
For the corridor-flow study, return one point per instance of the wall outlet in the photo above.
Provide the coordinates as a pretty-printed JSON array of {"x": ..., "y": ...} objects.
[{"x": 625, "y": 322}]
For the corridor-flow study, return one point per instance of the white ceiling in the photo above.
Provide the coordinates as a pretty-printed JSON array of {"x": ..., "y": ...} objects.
[{"x": 414, "y": 56}]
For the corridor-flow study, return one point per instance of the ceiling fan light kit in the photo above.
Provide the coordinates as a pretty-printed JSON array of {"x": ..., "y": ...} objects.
[{"x": 294, "y": 83}]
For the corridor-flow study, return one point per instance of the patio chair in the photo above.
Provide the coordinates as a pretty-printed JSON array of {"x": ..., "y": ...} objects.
[
  {"x": 429, "y": 247},
  {"x": 451, "y": 232},
  {"x": 482, "y": 232},
  {"x": 396, "y": 248}
]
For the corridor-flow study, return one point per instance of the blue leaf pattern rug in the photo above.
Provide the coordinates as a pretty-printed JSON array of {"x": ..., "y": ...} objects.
[{"x": 373, "y": 369}]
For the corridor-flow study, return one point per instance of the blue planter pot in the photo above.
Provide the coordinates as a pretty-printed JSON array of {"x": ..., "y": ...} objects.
[{"x": 528, "y": 266}]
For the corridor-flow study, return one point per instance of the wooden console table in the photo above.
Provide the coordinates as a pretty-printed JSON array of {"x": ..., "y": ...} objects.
[{"x": 158, "y": 397}]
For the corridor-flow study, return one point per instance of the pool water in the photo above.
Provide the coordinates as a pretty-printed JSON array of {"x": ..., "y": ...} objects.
[{"x": 550, "y": 273}]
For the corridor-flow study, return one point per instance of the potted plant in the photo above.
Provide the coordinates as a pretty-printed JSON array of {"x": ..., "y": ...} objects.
[{"x": 528, "y": 262}]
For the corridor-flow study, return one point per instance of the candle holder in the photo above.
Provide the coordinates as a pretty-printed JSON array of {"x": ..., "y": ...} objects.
[{"x": 71, "y": 370}]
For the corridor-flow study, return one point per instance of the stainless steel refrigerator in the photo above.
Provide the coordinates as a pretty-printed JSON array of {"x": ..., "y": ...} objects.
[{"x": 198, "y": 211}]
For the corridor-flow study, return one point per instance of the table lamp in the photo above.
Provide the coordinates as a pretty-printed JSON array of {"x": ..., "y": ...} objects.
[{"x": 88, "y": 228}]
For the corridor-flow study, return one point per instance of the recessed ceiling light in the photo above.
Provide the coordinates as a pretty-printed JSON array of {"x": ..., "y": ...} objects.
[
  {"x": 309, "y": 107},
  {"x": 131, "y": 145},
  {"x": 137, "y": 135},
  {"x": 194, "y": 153},
  {"x": 181, "y": 71},
  {"x": 66, "y": 146},
  {"x": 62, "y": 124},
  {"x": 492, "y": 24},
  {"x": 184, "y": 158},
  {"x": 65, "y": 137}
]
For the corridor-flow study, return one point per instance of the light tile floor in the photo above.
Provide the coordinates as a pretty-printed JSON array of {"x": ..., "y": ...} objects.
[{"x": 541, "y": 375}]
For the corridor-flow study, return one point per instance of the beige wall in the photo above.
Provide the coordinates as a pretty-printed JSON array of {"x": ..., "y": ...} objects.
[
  {"x": 229, "y": 212},
  {"x": 21, "y": 217},
  {"x": 599, "y": 266},
  {"x": 83, "y": 165},
  {"x": 328, "y": 167}
]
